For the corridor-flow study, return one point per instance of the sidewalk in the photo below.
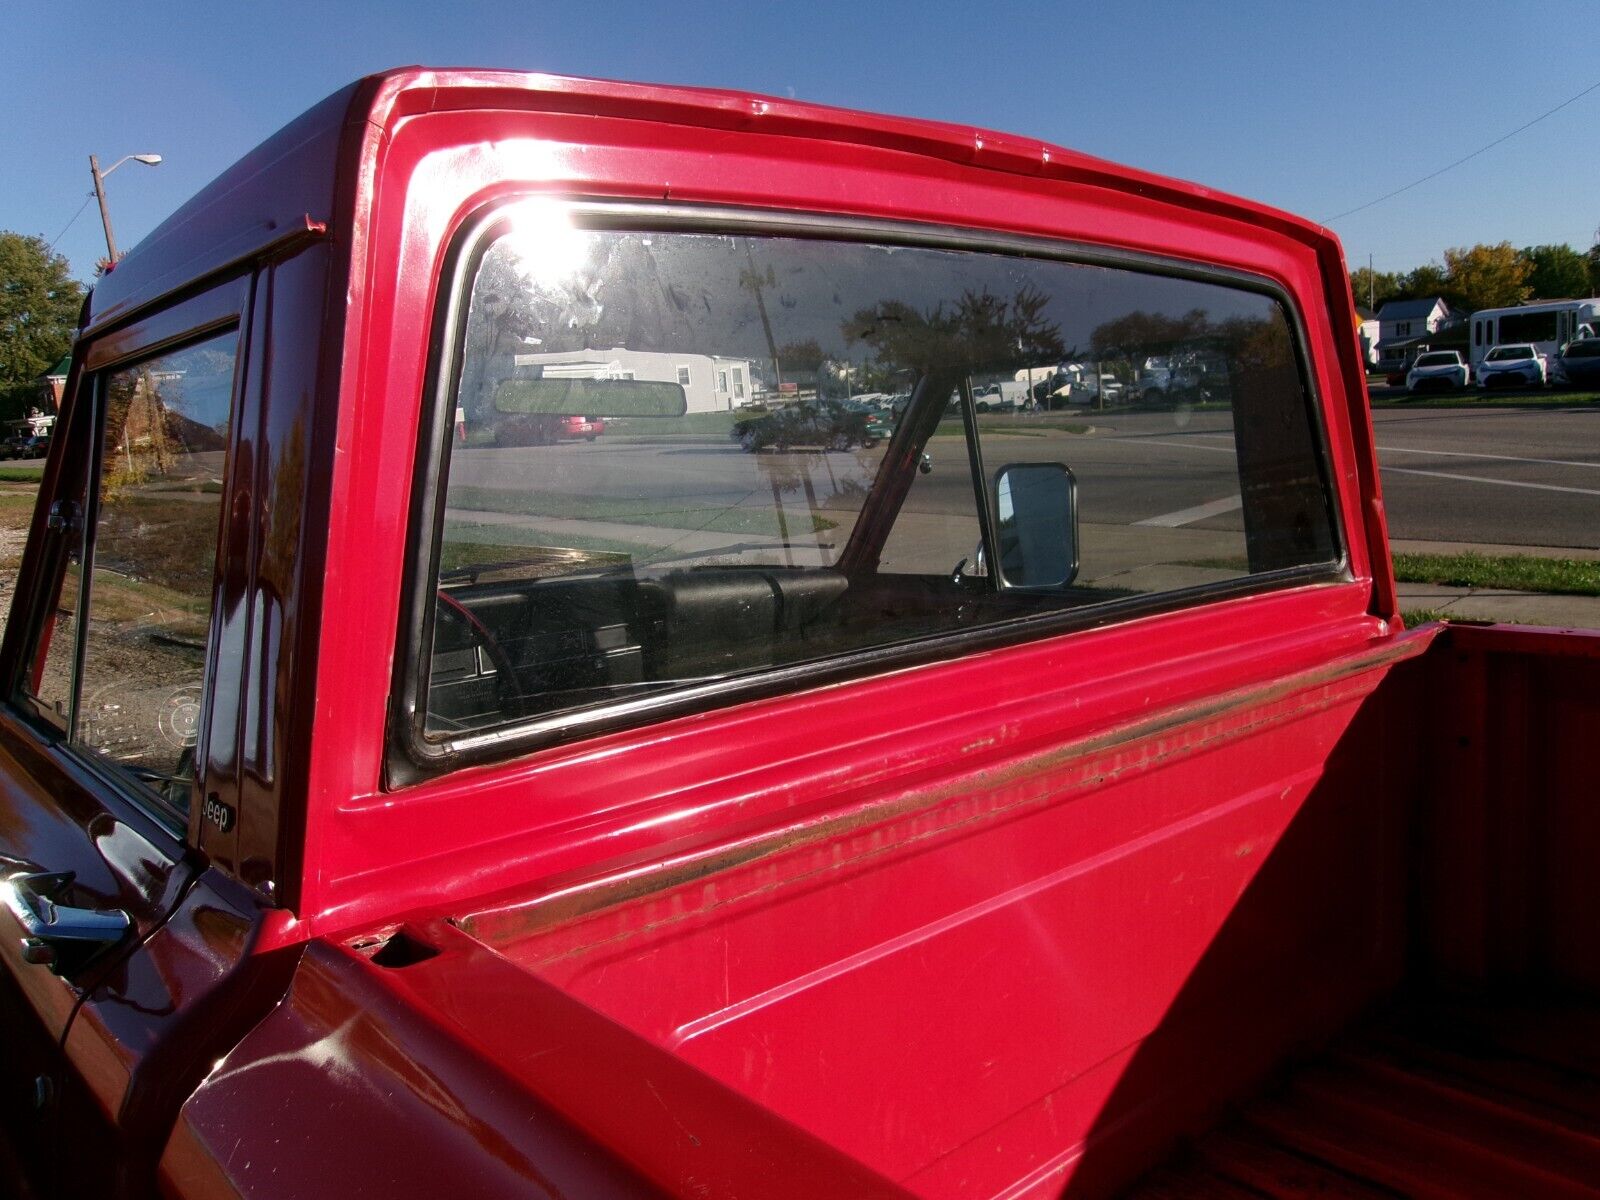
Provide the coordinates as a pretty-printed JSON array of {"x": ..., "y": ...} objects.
[
  {"x": 1499, "y": 604},
  {"x": 1495, "y": 604}
]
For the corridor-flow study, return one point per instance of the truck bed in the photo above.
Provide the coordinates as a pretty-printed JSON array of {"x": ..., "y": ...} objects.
[
  {"x": 1436, "y": 1097},
  {"x": 1333, "y": 936},
  {"x": 1101, "y": 961}
]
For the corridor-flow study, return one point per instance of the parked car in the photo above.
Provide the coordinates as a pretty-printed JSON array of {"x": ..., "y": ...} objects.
[
  {"x": 1000, "y": 397},
  {"x": 880, "y": 418},
  {"x": 532, "y": 430},
  {"x": 1580, "y": 363},
  {"x": 1162, "y": 384},
  {"x": 1515, "y": 364},
  {"x": 27, "y": 445},
  {"x": 1437, "y": 369},
  {"x": 821, "y": 424},
  {"x": 1088, "y": 389}
]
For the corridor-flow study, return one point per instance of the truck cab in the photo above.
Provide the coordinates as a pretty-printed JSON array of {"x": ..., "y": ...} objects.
[{"x": 390, "y": 799}]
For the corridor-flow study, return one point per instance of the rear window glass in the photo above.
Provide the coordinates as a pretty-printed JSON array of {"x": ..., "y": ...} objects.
[{"x": 920, "y": 442}]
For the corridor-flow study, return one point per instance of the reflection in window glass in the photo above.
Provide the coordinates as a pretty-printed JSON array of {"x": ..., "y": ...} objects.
[
  {"x": 623, "y": 549},
  {"x": 154, "y": 544},
  {"x": 51, "y": 684}
]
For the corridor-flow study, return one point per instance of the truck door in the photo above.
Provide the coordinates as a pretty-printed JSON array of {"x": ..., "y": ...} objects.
[{"x": 109, "y": 661}]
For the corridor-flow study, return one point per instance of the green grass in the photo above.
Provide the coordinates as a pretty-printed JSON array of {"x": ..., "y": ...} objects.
[
  {"x": 16, "y": 507},
  {"x": 1422, "y": 616},
  {"x": 1472, "y": 398},
  {"x": 21, "y": 474},
  {"x": 711, "y": 518},
  {"x": 632, "y": 511},
  {"x": 714, "y": 424},
  {"x": 460, "y": 549},
  {"x": 1513, "y": 572}
]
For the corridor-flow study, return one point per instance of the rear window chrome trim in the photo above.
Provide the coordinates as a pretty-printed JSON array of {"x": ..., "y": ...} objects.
[{"x": 412, "y": 756}]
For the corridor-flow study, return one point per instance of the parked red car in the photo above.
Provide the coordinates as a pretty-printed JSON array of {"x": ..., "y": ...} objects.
[
  {"x": 384, "y": 814},
  {"x": 547, "y": 431}
]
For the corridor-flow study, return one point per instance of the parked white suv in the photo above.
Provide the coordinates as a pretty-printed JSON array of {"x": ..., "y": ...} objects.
[
  {"x": 1437, "y": 369},
  {"x": 1517, "y": 364}
]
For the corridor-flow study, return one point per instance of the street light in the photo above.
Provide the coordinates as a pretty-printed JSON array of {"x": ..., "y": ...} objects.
[{"x": 148, "y": 160}]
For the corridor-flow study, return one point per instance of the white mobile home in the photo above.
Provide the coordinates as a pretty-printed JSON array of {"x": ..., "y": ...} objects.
[{"x": 711, "y": 383}]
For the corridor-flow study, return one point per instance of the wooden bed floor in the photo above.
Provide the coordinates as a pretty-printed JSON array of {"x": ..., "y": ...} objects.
[{"x": 1442, "y": 1099}]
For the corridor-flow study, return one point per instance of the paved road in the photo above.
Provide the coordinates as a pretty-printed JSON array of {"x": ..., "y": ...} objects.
[
  {"x": 1527, "y": 477},
  {"x": 1156, "y": 490},
  {"x": 1520, "y": 477}
]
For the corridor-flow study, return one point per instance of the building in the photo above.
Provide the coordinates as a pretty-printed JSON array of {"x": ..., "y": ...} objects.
[
  {"x": 1368, "y": 331},
  {"x": 1402, "y": 324},
  {"x": 711, "y": 383},
  {"x": 55, "y": 380}
]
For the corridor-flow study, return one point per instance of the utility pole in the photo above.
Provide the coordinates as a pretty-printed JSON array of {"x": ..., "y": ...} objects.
[
  {"x": 148, "y": 160},
  {"x": 1372, "y": 287},
  {"x": 105, "y": 212},
  {"x": 753, "y": 279}
]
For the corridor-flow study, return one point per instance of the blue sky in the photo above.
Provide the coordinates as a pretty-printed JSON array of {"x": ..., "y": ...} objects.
[{"x": 1313, "y": 107}]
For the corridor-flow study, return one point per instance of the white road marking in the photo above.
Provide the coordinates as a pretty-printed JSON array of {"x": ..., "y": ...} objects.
[
  {"x": 1551, "y": 462},
  {"x": 1544, "y": 487},
  {"x": 1539, "y": 487},
  {"x": 1184, "y": 445},
  {"x": 1199, "y": 512}
]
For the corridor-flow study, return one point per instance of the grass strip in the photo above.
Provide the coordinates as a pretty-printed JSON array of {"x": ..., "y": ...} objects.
[
  {"x": 1477, "y": 399},
  {"x": 1513, "y": 572},
  {"x": 1422, "y": 616},
  {"x": 759, "y": 517}
]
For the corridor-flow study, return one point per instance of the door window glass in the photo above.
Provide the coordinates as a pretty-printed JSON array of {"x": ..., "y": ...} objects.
[
  {"x": 51, "y": 681},
  {"x": 151, "y": 546}
]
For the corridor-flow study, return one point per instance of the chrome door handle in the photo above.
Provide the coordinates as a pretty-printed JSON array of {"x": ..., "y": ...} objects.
[{"x": 58, "y": 936}]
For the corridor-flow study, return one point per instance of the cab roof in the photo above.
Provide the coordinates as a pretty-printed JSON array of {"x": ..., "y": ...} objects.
[{"x": 289, "y": 184}]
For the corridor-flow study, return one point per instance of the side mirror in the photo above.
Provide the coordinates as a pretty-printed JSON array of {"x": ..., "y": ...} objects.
[{"x": 1036, "y": 511}]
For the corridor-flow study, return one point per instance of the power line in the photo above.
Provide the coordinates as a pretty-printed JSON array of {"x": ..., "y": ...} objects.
[
  {"x": 51, "y": 248},
  {"x": 1464, "y": 158}
]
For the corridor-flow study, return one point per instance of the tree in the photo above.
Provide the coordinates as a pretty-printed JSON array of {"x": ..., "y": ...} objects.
[
  {"x": 1556, "y": 272},
  {"x": 1140, "y": 334},
  {"x": 1594, "y": 267},
  {"x": 1487, "y": 276},
  {"x": 39, "y": 305},
  {"x": 805, "y": 356},
  {"x": 979, "y": 332},
  {"x": 1374, "y": 287},
  {"x": 1423, "y": 283}
]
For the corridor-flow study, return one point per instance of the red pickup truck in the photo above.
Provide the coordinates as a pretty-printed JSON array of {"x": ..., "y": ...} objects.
[{"x": 393, "y": 804}]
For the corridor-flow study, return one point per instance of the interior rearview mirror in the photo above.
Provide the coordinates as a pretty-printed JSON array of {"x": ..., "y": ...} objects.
[
  {"x": 1036, "y": 511},
  {"x": 579, "y": 397}
]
